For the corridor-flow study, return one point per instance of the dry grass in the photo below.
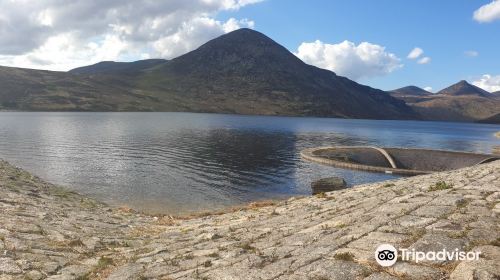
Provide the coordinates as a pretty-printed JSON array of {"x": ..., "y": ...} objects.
[
  {"x": 416, "y": 234},
  {"x": 345, "y": 256},
  {"x": 441, "y": 185}
]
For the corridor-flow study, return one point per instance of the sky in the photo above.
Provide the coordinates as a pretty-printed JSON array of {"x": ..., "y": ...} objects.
[{"x": 385, "y": 44}]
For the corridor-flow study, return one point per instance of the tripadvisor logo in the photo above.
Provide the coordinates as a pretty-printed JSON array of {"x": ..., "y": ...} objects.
[{"x": 387, "y": 255}]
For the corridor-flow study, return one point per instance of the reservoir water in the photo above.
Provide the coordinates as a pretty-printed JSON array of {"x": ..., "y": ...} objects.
[{"x": 186, "y": 162}]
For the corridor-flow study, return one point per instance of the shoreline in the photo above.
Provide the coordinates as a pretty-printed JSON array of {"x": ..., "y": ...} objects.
[{"x": 48, "y": 232}]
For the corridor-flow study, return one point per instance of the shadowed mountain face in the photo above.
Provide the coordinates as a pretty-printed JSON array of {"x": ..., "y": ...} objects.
[
  {"x": 464, "y": 88},
  {"x": 246, "y": 72},
  {"x": 410, "y": 91},
  {"x": 242, "y": 72}
]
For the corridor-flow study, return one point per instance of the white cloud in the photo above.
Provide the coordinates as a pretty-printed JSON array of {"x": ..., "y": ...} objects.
[
  {"x": 346, "y": 59},
  {"x": 65, "y": 51},
  {"x": 488, "y": 82},
  {"x": 61, "y": 34},
  {"x": 488, "y": 12},
  {"x": 415, "y": 53},
  {"x": 424, "y": 60},
  {"x": 429, "y": 89},
  {"x": 471, "y": 53},
  {"x": 194, "y": 33}
]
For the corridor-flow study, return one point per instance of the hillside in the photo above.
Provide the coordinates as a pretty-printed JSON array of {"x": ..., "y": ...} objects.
[
  {"x": 37, "y": 90},
  {"x": 242, "y": 72},
  {"x": 112, "y": 67}
]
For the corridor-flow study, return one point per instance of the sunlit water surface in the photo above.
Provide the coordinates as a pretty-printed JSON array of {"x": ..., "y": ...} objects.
[{"x": 183, "y": 162}]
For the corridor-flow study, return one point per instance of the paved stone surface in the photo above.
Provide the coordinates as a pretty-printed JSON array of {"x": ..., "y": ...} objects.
[{"x": 47, "y": 232}]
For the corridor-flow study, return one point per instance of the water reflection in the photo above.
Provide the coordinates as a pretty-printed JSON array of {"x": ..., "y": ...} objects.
[{"x": 171, "y": 162}]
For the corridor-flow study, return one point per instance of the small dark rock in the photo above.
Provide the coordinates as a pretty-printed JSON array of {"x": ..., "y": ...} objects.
[{"x": 328, "y": 184}]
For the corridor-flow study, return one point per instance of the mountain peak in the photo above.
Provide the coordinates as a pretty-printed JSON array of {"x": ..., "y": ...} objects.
[
  {"x": 464, "y": 88},
  {"x": 240, "y": 51},
  {"x": 410, "y": 91}
]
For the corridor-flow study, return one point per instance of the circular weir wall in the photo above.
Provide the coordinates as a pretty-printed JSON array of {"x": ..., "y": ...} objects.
[{"x": 394, "y": 160}]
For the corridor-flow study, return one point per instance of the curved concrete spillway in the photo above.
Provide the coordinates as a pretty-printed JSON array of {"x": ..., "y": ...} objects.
[{"x": 394, "y": 160}]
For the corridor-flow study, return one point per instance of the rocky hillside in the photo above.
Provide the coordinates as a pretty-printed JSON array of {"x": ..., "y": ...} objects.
[
  {"x": 242, "y": 72},
  {"x": 47, "y": 232}
]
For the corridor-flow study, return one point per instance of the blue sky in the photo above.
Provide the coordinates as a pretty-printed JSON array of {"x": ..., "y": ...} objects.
[
  {"x": 364, "y": 40},
  {"x": 444, "y": 29}
]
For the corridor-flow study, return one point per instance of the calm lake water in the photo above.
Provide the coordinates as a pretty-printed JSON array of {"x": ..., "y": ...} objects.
[{"x": 182, "y": 162}]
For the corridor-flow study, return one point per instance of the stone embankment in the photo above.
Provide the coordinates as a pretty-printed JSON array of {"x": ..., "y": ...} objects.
[{"x": 47, "y": 232}]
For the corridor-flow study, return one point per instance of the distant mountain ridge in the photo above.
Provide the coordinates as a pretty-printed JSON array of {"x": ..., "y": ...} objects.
[
  {"x": 242, "y": 72},
  {"x": 410, "y": 91},
  {"x": 458, "y": 102},
  {"x": 464, "y": 88}
]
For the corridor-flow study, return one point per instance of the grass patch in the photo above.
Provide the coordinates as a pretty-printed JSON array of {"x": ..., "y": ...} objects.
[
  {"x": 321, "y": 195},
  {"x": 345, "y": 256},
  {"x": 214, "y": 255},
  {"x": 388, "y": 185},
  {"x": 416, "y": 234},
  {"x": 87, "y": 203},
  {"x": 247, "y": 246},
  {"x": 265, "y": 260},
  {"x": 398, "y": 192},
  {"x": 441, "y": 185},
  {"x": 495, "y": 242},
  {"x": 457, "y": 234},
  {"x": 341, "y": 225},
  {"x": 103, "y": 263},
  {"x": 76, "y": 243},
  {"x": 462, "y": 203}
]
